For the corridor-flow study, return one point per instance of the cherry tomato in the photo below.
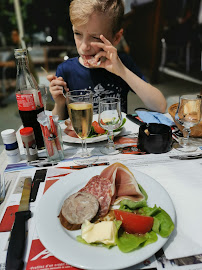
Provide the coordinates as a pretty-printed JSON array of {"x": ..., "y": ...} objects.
[
  {"x": 133, "y": 223},
  {"x": 98, "y": 128}
]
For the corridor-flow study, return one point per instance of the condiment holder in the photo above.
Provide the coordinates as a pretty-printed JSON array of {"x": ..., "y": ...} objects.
[{"x": 52, "y": 136}]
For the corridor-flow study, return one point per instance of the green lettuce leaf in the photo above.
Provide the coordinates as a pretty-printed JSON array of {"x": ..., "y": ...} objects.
[
  {"x": 163, "y": 223},
  {"x": 123, "y": 122},
  {"x": 149, "y": 211},
  {"x": 143, "y": 192},
  {"x": 129, "y": 242},
  {"x": 81, "y": 240},
  {"x": 166, "y": 225},
  {"x": 93, "y": 134},
  {"x": 130, "y": 206}
]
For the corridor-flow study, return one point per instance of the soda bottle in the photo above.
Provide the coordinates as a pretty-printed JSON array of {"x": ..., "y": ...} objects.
[{"x": 28, "y": 96}]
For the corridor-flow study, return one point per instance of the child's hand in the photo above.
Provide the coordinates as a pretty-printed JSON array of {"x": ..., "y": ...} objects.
[
  {"x": 56, "y": 88},
  {"x": 112, "y": 61}
]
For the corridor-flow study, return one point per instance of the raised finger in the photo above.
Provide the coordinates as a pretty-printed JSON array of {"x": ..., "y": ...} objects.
[
  {"x": 60, "y": 78},
  {"x": 106, "y": 41},
  {"x": 51, "y": 77},
  {"x": 99, "y": 45}
]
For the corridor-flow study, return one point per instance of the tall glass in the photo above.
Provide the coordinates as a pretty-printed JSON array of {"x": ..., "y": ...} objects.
[
  {"x": 80, "y": 109},
  {"x": 110, "y": 118},
  {"x": 188, "y": 114}
]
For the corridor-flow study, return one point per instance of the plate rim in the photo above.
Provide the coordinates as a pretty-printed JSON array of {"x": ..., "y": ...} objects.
[{"x": 84, "y": 266}]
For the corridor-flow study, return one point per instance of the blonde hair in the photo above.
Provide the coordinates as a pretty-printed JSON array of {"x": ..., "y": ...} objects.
[{"x": 81, "y": 10}]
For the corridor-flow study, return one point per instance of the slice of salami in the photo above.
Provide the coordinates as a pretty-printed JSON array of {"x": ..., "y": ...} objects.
[{"x": 102, "y": 189}]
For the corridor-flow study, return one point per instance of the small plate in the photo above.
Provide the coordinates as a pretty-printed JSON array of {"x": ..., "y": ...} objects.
[{"x": 69, "y": 139}]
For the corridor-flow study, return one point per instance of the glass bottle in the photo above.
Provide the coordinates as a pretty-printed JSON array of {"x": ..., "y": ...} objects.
[{"x": 28, "y": 96}]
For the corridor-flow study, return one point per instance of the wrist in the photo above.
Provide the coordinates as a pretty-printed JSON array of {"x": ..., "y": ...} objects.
[
  {"x": 60, "y": 110},
  {"x": 123, "y": 72},
  {"x": 60, "y": 101}
]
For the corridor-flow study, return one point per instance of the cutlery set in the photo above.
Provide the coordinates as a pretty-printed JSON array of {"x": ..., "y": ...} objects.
[{"x": 16, "y": 246}]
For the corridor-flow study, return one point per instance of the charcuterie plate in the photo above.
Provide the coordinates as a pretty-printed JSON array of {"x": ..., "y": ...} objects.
[{"x": 63, "y": 244}]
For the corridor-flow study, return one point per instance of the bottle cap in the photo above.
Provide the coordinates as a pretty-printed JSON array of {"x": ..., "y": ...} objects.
[
  {"x": 20, "y": 53},
  {"x": 26, "y": 131},
  {"x": 8, "y": 135}
]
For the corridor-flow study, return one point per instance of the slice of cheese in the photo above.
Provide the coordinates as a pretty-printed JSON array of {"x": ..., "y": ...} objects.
[{"x": 102, "y": 232}]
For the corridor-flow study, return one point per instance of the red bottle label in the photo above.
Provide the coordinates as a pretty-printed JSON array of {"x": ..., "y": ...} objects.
[
  {"x": 40, "y": 99},
  {"x": 25, "y": 102}
]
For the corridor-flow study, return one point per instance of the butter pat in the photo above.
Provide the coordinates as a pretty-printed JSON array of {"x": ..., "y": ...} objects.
[{"x": 102, "y": 232}]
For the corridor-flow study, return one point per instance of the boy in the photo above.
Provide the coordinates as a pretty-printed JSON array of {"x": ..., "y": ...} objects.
[{"x": 97, "y": 30}]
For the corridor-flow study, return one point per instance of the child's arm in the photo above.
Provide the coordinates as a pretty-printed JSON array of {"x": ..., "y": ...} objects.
[
  {"x": 56, "y": 90},
  {"x": 150, "y": 95}
]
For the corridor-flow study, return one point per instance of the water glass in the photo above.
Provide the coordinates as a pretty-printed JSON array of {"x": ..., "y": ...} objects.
[{"x": 110, "y": 118}]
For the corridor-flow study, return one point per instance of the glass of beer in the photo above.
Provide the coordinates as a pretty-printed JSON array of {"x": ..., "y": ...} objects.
[{"x": 80, "y": 109}]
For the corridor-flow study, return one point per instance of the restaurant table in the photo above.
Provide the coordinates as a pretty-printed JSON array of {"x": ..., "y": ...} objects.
[{"x": 180, "y": 178}]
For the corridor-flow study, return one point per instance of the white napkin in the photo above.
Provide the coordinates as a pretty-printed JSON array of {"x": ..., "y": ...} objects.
[{"x": 183, "y": 182}]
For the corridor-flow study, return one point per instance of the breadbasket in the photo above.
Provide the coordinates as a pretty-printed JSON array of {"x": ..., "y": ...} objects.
[{"x": 196, "y": 131}]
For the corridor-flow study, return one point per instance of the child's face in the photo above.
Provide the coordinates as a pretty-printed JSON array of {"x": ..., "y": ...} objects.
[{"x": 90, "y": 32}]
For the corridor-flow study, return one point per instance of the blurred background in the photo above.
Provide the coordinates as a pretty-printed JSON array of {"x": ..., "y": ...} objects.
[{"x": 164, "y": 37}]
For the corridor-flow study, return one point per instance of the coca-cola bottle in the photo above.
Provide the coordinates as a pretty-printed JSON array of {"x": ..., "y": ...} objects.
[{"x": 28, "y": 96}]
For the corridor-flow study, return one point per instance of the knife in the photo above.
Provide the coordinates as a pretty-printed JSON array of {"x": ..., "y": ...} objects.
[
  {"x": 84, "y": 166},
  {"x": 40, "y": 176},
  {"x": 186, "y": 157},
  {"x": 14, "y": 260}
]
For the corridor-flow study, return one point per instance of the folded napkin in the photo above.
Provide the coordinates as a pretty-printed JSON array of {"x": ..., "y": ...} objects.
[
  {"x": 154, "y": 117},
  {"x": 183, "y": 183}
]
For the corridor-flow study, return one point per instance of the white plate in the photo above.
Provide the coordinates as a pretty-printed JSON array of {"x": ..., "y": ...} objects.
[
  {"x": 62, "y": 243},
  {"x": 69, "y": 139}
]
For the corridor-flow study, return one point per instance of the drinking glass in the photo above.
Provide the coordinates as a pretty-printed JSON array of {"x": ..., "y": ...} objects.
[
  {"x": 80, "y": 109},
  {"x": 188, "y": 114},
  {"x": 110, "y": 118}
]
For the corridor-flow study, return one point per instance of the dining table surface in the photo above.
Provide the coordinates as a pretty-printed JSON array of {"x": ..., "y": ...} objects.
[{"x": 181, "y": 179}]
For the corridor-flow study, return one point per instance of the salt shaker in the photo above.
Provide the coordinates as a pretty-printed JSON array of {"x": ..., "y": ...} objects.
[
  {"x": 11, "y": 145},
  {"x": 29, "y": 143}
]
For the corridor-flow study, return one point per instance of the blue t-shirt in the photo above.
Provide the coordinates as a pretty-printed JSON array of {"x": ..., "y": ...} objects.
[{"x": 100, "y": 81}]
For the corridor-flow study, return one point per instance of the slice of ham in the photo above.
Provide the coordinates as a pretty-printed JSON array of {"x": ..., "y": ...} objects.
[
  {"x": 69, "y": 129},
  {"x": 124, "y": 181}
]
